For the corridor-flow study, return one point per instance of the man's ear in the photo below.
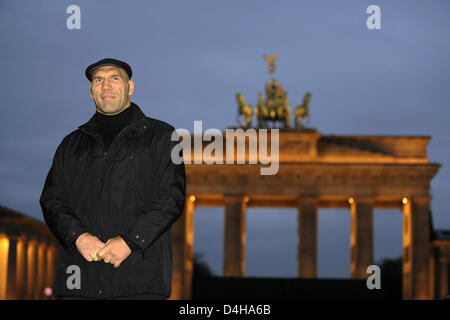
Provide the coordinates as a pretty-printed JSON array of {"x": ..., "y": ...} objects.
[
  {"x": 90, "y": 91},
  {"x": 131, "y": 84}
]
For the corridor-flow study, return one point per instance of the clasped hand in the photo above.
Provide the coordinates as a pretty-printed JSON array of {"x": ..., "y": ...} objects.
[{"x": 114, "y": 251}]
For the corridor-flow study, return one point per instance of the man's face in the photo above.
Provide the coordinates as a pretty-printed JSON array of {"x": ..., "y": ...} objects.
[{"x": 111, "y": 89}]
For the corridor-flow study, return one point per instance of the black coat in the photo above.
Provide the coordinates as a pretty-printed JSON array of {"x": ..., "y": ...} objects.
[{"x": 133, "y": 190}]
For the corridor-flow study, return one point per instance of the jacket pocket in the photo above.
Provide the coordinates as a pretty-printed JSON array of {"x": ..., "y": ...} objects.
[{"x": 154, "y": 252}]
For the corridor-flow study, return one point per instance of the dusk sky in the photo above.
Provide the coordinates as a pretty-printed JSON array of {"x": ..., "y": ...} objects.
[{"x": 189, "y": 60}]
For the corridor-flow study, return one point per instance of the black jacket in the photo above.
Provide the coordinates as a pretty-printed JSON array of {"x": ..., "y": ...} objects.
[{"x": 133, "y": 190}]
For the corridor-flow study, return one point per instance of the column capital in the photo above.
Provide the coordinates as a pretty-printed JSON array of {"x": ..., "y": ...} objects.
[
  {"x": 364, "y": 198},
  {"x": 355, "y": 202},
  {"x": 308, "y": 198},
  {"x": 420, "y": 199},
  {"x": 234, "y": 198},
  {"x": 190, "y": 198}
]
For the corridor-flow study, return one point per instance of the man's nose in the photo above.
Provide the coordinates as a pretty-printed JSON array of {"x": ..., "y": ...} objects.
[{"x": 106, "y": 85}]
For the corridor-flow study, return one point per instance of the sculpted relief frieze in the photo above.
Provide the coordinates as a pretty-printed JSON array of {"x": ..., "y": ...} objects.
[{"x": 293, "y": 179}]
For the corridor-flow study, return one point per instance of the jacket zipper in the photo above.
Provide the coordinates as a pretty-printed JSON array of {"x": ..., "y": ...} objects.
[
  {"x": 95, "y": 136},
  {"x": 132, "y": 166},
  {"x": 102, "y": 183}
]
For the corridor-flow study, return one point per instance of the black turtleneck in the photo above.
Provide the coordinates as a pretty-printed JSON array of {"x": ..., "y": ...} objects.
[{"x": 110, "y": 126}]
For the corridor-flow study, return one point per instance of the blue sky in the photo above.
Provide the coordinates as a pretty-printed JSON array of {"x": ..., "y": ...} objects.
[{"x": 190, "y": 58}]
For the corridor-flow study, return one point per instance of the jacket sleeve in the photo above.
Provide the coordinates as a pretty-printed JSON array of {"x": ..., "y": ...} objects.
[
  {"x": 167, "y": 204},
  {"x": 59, "y": 217}
]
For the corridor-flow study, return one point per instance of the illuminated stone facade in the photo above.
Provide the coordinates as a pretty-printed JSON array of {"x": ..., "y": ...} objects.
[{"x": 361, "y": 173}]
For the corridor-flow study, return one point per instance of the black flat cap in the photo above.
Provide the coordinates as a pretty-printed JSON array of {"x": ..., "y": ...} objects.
[{"x": 108, "y": 62}]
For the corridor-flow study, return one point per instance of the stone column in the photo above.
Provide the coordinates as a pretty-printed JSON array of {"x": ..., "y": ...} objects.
[
  {"x": 416, "y": 249},
  {"x": 361, "y": 237},
  {"x": 50, "y": 266},
  {"x": 4, "y": 254},
  {"x": 443, "y": 277},
  {"x": 40, "y": 278},
  {"x": 435, "y": 272},
  {"x": 307, "y": 238},
  {"x": 31, "y": 269},
  {"x": 183, "y": 253},
  {"x": 20, "y": 268},
  {"x": 235, "y": 236}
]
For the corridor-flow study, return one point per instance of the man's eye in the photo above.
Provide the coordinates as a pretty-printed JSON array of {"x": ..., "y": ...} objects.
[{"x": 98, "y": 80}]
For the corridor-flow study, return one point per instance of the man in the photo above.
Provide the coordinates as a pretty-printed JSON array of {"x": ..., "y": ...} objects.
[{"x": 111, "y": 196}]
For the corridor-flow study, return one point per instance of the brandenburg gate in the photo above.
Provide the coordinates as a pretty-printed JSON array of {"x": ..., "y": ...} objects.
[{"x": 361, "y": 173}]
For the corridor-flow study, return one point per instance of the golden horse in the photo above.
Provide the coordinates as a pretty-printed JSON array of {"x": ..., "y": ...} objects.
[
  {"x": 302, "y": 111},
  {"x": 244, "y": 110},
  {"x": 284, "y": 111},
  {"x": 262, "y": 111}
]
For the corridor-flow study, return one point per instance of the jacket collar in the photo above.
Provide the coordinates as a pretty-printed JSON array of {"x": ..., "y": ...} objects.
[{"x": 92, "y": 127}]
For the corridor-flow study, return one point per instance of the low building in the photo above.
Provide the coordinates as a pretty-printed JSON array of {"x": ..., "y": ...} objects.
[{"x": 27, "y": 257}]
